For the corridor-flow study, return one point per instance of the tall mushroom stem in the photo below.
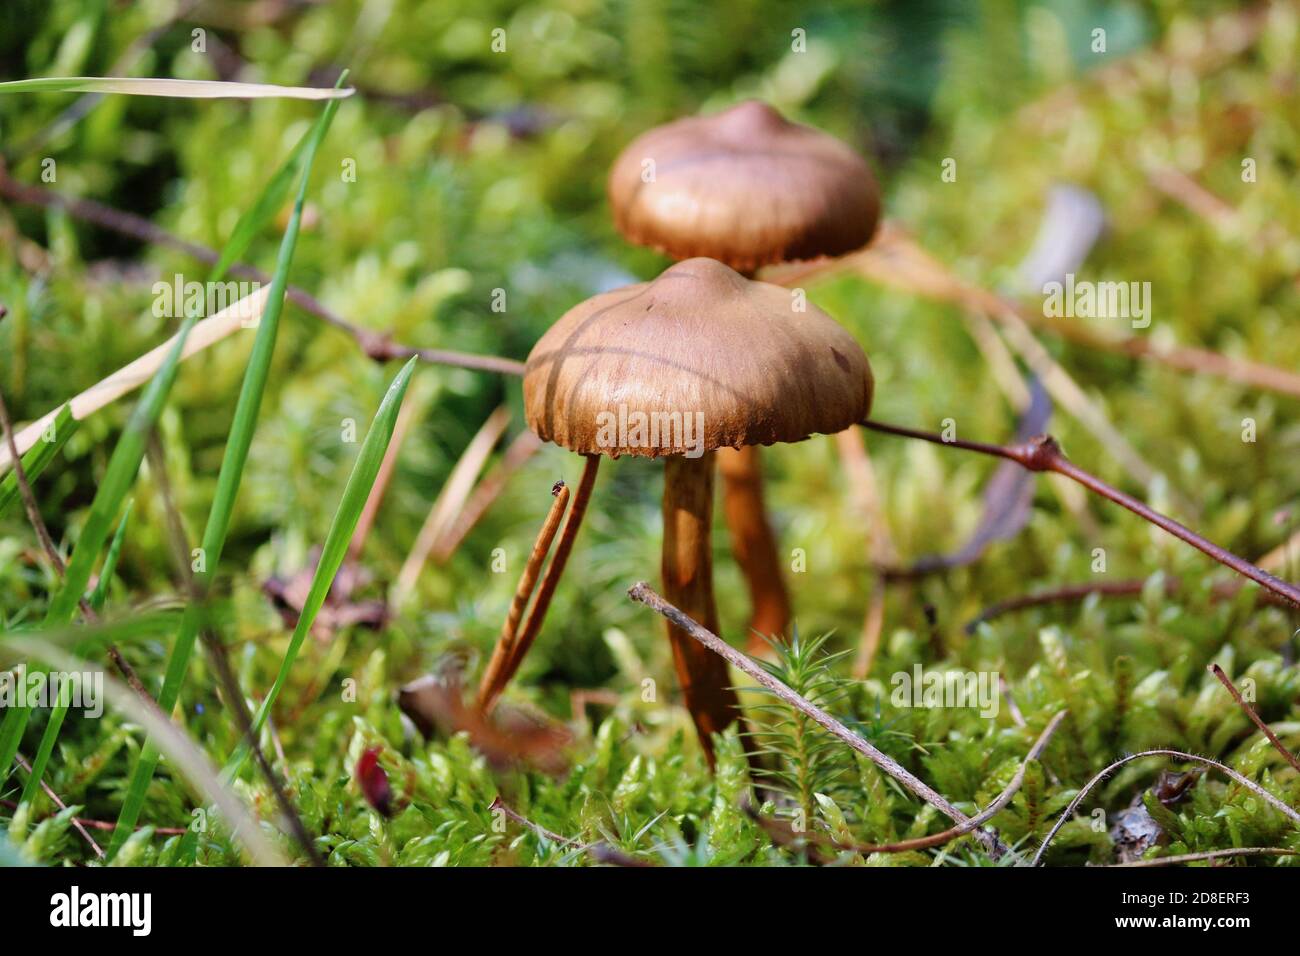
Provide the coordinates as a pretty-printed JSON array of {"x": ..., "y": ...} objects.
[
  {"x": 688, "y": 583},
  {"x": 753, "y": 543}
]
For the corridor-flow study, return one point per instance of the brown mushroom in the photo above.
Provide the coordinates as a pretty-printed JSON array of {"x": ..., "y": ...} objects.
[
  {"x": 748, "y": 188},
  {"x": 697, "y": 360}
]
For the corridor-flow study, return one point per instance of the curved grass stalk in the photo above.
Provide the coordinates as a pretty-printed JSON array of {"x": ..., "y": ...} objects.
[
  {"x": 228, "y": 480},
  {"x": 335, "y": 547},
  {"x": 184, "y": 754},
  {"x": 51, "y": 734},
  {"x": 173, "y": 89}
]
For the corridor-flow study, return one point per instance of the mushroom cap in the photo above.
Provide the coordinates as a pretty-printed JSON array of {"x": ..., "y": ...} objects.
[
  {"x": 746, "y": 187},
  {"x": 702, "y": 358}
]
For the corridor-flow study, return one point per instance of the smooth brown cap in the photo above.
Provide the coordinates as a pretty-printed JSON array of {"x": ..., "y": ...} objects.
[
  {"x": 745, "y": 187},
  {"x": 732, "y": 358}
]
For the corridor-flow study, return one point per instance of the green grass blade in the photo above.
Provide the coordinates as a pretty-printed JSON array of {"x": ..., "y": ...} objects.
[
  {"x": 228, "y": 480},
  {"x": 51, "y": 734},
  {"x": 183, "y": 89},
  {"x": 261, "y": 212},
  {"x": 118, "y": 479},
  {"x": 38, "y": 457},
  {"x": 355, "y": 493},
  {"x": 136, "y": 627},
  {"x": 98, "y": 596},
  {"x": 131, "y": 627},
  {"x": 11, "y": 731},
  {"x": 188, "y": 758}
]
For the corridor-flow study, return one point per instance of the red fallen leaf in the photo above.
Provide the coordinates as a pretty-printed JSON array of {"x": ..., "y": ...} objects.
[
  {"x": 373, "y": 781},
  {"x": 510, "y": 737}
]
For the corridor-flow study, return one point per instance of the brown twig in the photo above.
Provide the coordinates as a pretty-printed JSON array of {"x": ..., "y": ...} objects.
[
  {"x": 1222, "y": 768},
  {"x": 1208, "y": 855},
  {"x": 646, "y": 595},
  {"x": 216, "y": 650},
  {"x": 938, "y": 839},
  {"x": 49, "y": 792},
  {"x": 988, "y": 813},
  {"x": 56, "y": 559},
  {"x": 29, "y": 499},
  {"x": 1223, "y": 678},
  {"x": 897, "y": 261},
  {"x": 1129, "y": 587},
  {"x": 89, "y": 824},
  {"x": 495, "y": 675},
  {"x": 1061, "y": 595},
  {"x": 375, "y": 344},
  {"x": 1043, "y": 454}
]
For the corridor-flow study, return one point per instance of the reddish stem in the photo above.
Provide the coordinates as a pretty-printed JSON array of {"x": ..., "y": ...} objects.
[{"x": 1043, "y": 454}]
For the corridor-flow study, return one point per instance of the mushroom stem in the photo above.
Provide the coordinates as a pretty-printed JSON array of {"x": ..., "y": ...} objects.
[
  {"x": 753, "y": 543},
  {"x": 688, "y": 583}
]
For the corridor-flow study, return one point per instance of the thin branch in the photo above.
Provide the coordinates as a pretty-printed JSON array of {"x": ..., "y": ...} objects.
[
  {"x": 1043, "y": 454},
  {"x": 1207, "y": 855},
  {"x": 49, "y": 792},
  {"x": 235, "y": 699},
  {"x": 1217, "y": 671},
  {"x": 106, "y": 824},
  {"x": 1246, "y": 782},
  {"x": 1061, "y": 595},
  {"x": 29, "y": 499},
  {"x": 1129, "y": 587},
  {"x": 988, "y": 813},
  {"x": 897, "y": 261},
  {"x": 375, "y": 344},
  {"x": 643, "y": 593}
]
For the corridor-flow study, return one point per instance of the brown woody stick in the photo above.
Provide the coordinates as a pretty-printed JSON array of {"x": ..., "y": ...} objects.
[
  {"x": 988, "y": 813},
  {"x": 1223, "y": 678},
  {"x": 646, "y": 595},
  {"x": 1246, "y": 782},
  {"x": 375, "y": 344},
  {"x": 77, "y": 823},
  {"x": 1129, "y": 587},
  {"x": 1043, "y": 454},
  {"x": 492, "y": 683},
  {"x": 1209, "y": 855}
]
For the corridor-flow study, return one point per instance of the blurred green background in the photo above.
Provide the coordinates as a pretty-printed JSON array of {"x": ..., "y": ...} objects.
[{"x": 478, "y": 171}]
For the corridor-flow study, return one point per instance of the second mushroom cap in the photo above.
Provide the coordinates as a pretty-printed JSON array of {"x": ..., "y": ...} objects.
[{"x": 744, "y": 186}]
